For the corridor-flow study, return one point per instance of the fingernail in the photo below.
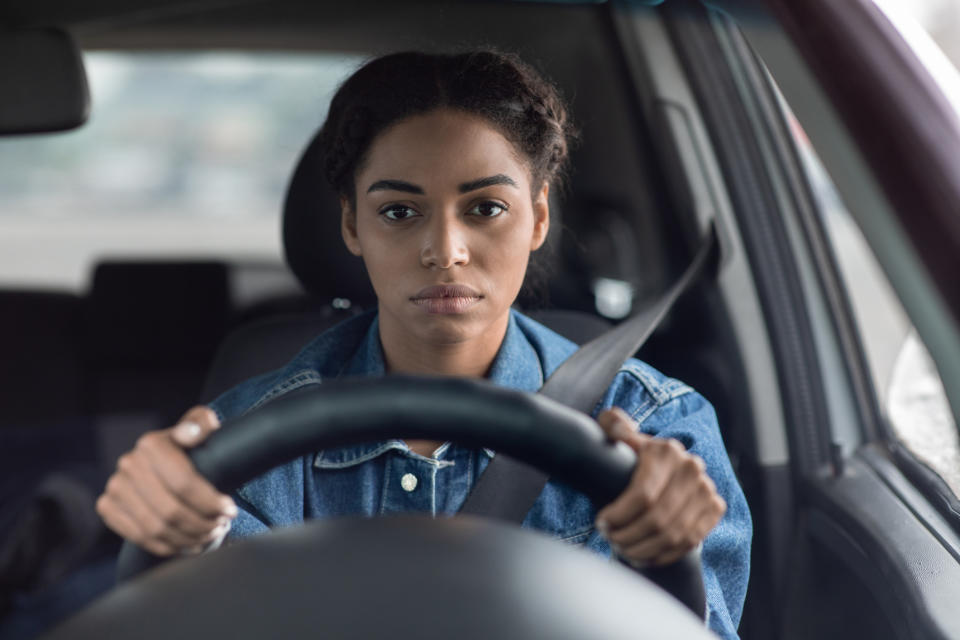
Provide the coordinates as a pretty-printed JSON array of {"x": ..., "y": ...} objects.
[
  {"x": 190, "y": 430},
  {"x": 217, "y": 531},
  {"x": 624, "y": 431},
  {"x": 603, "y": 527},
  {"x": 230, "y": 510}
]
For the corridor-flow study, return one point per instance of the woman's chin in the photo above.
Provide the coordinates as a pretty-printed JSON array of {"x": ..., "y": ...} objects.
[{"x": 448, "y": 329}]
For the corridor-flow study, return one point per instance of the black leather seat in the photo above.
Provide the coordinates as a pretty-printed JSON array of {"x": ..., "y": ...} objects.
[
  {"x": 151, "y": 329},
  {"x": 41, "y": 380}
]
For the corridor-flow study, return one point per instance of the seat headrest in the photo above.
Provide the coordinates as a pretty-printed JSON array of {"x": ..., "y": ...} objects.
[
  {"x": 161, "y": 313},
  {"x": 311, "y": 236}
]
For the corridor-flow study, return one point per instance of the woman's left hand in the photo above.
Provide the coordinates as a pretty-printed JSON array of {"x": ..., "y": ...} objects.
[{"x": 670, "y": 505}]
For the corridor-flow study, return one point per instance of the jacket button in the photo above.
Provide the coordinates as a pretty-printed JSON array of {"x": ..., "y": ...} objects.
[{"x": 408, "y": 482}]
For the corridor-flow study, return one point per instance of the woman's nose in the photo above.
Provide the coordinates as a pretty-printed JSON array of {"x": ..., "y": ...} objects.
[{"x": 445, "y": 244}]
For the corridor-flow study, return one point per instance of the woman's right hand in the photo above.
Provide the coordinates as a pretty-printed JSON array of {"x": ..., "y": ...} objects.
[{"x": 158, "y": 501}]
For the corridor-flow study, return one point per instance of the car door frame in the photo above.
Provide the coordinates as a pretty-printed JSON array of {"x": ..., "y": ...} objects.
[
  {"x": 862, "y": 512},
  {"x": 869, "y": 550}
]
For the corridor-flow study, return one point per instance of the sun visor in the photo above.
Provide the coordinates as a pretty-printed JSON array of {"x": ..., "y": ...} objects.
[{"x": 43, "y": 86}]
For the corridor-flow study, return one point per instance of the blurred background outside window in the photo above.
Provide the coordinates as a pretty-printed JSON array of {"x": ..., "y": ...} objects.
[
  {"x": 906, "y": 381},
  {"x": 185, "y": 154}
]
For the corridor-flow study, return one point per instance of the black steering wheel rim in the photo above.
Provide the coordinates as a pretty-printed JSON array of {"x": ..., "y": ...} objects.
[
  {"x": 535, "y": 429},
  {"x": 563, "y": 442}
]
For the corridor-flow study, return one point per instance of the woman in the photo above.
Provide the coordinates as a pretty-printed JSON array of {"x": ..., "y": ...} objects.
[{"x": 444, "y": 166}]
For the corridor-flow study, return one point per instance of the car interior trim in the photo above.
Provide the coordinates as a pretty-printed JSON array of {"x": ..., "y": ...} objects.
[
  {"x": 925, "y": 594},
  {"x": 928, "y": 484},
  {"x": 845, "y": 378},
  {"x": 860, "y": 191},
  {"x": 778, "y": 284},
  {"x": 662, "y": 73}
]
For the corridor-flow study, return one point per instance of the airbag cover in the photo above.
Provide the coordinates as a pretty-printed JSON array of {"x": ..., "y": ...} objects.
[{"x": 408, "y": 576}]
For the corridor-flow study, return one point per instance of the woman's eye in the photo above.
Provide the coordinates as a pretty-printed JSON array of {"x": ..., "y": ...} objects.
[
  {"x": 487, "y": 210},
  {"x": 398, "y": 213}
]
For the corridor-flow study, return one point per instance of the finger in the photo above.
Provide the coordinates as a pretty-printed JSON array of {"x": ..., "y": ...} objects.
[
  {"x": 650, "y": 478},
  {"x": 636, "y": 500},
  {"x": 617, "y": 425},
  {"x": 222, "y": 529},
  {"x": 169, "y": 509},
  {"x": 195, "y": 426},
  {"x": 696, "y": 530},
  {"x": 126, "y": 495},
  {"x": 667, "y": 533},
  {"x": 699, "y": 529},
  {"x": 127, "y": 528},
  {"x": 612, "y": 421},
  {"x": 178, "y": 475},
  {"x": 674, "y": 511},
  {"x": 117, "y": 520},
  {"x": 687, "y": 493},
  {"x": 658, "y": 521},
  {"x": 652, "y": 549}
]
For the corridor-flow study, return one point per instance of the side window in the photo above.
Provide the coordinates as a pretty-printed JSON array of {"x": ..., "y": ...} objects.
[{"x": 908, "y": 387}]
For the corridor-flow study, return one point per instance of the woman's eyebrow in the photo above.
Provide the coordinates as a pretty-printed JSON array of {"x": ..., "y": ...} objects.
[
  {"x": 395, "y": 185},
  {"x": 473, "y": 185}
]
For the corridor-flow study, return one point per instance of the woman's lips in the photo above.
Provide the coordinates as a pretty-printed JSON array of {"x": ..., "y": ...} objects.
[{"x": 446, "y": 298}]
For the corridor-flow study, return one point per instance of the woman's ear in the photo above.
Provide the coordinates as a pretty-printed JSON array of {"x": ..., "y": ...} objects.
[
  {"x": 541, "y": 217},
  {"x": 348, "y": 226}
]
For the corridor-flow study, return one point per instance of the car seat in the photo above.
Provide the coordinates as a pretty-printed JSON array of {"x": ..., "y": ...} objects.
[{"x": 151, "y": 330}]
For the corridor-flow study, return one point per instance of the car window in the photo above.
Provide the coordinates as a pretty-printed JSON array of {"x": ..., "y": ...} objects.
[
  {"x": 931, "y": 28},
  {"x": 185, "y": 154},
  {"x": 908, "y": 387}
]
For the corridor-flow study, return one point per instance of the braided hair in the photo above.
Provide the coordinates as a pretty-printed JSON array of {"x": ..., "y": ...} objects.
[{"x": 498, "y": 87}]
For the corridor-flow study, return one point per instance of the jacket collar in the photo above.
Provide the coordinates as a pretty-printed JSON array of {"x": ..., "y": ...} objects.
[{"x": 516, "y": 366}]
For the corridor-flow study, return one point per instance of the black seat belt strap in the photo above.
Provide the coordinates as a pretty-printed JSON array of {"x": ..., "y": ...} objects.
[{"x": 507, "y": 488}]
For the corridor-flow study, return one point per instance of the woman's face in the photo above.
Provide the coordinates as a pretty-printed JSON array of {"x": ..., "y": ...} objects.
[{"x": 445, "y": 222}]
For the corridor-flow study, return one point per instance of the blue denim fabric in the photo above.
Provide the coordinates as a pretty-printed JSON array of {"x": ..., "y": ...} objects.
[{"x": 366, "y": 479}]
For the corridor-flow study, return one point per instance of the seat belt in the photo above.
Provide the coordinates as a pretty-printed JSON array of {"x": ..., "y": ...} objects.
[{"x": 507, "y": 488}]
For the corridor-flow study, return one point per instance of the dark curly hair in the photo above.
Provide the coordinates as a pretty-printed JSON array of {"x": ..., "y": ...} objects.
[{"x": 498, "y": 87}]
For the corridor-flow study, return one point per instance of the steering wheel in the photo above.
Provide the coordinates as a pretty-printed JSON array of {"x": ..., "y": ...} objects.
[{"x": 563, "y": 442}]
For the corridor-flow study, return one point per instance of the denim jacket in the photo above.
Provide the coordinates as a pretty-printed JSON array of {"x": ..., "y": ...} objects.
[{"x": 387, "y": 477}]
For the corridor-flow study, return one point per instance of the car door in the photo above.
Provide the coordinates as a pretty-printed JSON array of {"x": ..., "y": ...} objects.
[{"x": 812, "y": 132}]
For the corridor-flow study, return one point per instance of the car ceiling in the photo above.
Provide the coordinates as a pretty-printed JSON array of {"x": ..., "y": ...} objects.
[
  {"x": 366, "y": 25},
  {"x": 357, "y": 25}
]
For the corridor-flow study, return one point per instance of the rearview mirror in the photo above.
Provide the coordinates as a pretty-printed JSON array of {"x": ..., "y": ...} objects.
[{"x": 43, "y": 86}]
